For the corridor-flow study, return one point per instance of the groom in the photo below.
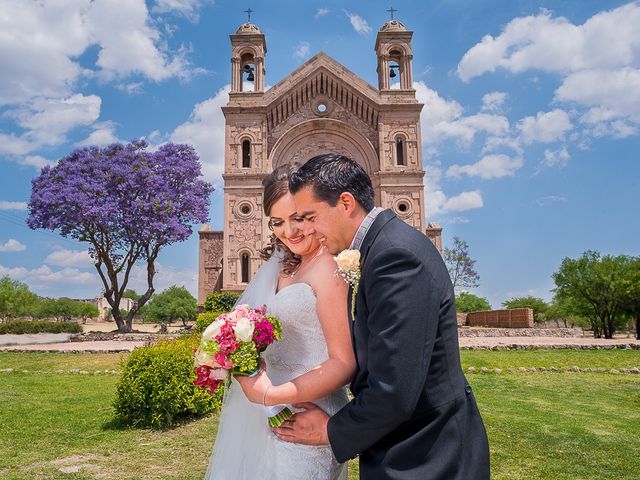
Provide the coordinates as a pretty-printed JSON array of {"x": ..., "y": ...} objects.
[{"x": 413, "y": 415}]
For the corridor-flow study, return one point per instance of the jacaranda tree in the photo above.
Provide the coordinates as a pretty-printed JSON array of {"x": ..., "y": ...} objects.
[{"x": 127, "y": 203}]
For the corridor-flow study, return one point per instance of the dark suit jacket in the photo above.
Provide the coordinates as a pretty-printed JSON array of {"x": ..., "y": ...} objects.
[{"x": 413, "y": 415}]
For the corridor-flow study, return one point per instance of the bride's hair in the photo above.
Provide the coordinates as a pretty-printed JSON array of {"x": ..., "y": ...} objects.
[{"x": 275, "y": 185}]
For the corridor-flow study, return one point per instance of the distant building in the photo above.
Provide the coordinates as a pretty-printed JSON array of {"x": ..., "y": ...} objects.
[{"x": 103, "y": 305}]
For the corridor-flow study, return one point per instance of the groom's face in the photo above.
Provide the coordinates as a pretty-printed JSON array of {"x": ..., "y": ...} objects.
[{"x": 323, "y": 221}]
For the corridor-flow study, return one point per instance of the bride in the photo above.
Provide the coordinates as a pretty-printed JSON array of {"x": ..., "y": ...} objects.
[{"x": 312, "y": 362}]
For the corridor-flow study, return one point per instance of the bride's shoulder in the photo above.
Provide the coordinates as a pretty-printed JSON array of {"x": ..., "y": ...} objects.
[{"x": 324, "y": 275}]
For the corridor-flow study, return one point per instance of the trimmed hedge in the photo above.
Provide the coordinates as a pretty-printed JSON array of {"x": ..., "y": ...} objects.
[
  {"x": 220, "y": 301},
  {"x": 204, "y": 320},
  {"x": 156, "y": 388},
  {"x": 38, "y": 326}
]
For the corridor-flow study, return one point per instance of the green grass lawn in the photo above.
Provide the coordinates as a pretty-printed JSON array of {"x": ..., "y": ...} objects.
[{"x": 565, "y": 425}]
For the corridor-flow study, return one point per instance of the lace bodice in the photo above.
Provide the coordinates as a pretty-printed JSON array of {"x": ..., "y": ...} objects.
[{"x": 303, "y": 345}]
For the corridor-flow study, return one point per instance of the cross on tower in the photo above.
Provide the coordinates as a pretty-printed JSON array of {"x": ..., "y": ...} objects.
[
  {"x": 249, "y": 12},
  {"x": 392, "y": 11}
]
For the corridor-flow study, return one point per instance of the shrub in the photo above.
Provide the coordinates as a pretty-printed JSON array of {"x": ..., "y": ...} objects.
[
  {"x": 220, "y": 301},
  {"x": 205, "y": 319},
  {"x": 38, "y": 326},
  {"x": 156, "y": 388}
]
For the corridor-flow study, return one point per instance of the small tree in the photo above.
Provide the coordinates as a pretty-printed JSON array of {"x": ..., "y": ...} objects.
[
  {"x": 460, "y": 265},
  {"x": 468, "y": 302},
  {"x": 87, "y": 310},
  {"x": 597, "y": 288},
  {"x": 538, "y": 305},
  {"x": 16, "y": 299},
  {"x": 127, "y": 204},
  {"x": 175, "y": 303}
]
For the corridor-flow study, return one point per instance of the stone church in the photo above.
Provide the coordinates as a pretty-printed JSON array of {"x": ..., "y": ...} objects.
[{"x": 320, "y": 107}]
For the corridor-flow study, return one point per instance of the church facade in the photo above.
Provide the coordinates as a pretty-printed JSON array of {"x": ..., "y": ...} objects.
[{"x": 321, "y": 107}]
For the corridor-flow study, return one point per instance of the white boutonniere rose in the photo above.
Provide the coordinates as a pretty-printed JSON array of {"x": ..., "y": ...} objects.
[{"x": 349, "y": 269}]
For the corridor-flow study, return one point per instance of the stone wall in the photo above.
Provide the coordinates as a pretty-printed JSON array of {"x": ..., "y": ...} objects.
[{"x": 513, "y": 318}]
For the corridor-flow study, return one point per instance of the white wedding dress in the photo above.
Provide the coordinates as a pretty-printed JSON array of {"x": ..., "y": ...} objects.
[{"x": 245, "y": 447}]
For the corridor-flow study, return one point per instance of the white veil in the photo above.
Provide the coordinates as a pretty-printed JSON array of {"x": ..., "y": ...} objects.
[{"x": 242, "y": 434}]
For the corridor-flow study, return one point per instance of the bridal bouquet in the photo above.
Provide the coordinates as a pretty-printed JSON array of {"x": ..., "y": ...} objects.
[{"x": 231, "y": 345}]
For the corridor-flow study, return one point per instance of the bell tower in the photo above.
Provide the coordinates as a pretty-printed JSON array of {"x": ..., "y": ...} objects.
[
  {"x": 393, "y": 49},
  {"x": 245, "y": 162},
  {"x": 248, "y": 48},
  {"x": 400, "y": 180}
]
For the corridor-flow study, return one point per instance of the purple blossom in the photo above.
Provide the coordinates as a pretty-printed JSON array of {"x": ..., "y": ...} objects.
[{"x": 125, "y": 201}]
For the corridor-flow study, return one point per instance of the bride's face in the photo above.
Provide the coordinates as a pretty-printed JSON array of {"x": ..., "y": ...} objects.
[{"x": 287, "y": 226}]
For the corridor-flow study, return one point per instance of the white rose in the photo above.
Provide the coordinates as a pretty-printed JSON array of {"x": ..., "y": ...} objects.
[
  {"x": 243, "y": 329},
  {"x": 212, "y": 330},
  {"x": 348, "y": 260},
  {"x": 202, "y": 358}
]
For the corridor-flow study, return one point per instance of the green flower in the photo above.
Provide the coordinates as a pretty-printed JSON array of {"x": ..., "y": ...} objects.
[
  {"x": 245, "y": 358},
  {"x": 210, "y": 347},
  {"x": 277, "y": 327}
]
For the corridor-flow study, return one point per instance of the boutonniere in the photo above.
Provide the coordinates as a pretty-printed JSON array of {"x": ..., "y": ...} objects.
[{"x": 349, "y": 269}]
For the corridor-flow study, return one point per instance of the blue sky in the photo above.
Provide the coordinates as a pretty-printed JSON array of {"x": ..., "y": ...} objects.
[{"x": 531, "y": 123}]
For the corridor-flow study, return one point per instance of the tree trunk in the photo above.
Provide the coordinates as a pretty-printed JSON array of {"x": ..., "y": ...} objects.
[
  {"x": 123, "y": 326},
  {"x": 638, "y": 325}
]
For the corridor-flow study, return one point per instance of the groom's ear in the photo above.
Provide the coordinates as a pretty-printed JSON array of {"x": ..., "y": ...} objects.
[{"x": 347, "y": 203}]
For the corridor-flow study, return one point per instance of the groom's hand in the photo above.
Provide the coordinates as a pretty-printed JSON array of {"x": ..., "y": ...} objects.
[{"x": 308, "y": 427}]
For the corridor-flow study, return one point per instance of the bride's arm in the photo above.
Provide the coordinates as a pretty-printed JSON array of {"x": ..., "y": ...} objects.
[{"x": 338, "y": 370}]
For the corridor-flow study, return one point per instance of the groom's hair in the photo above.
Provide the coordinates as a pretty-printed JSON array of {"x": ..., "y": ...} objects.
[{"x": 330, "y": 175}]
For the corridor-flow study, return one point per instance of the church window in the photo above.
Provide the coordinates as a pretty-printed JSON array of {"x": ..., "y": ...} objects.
[
  {"x": 244, "y": 261},
  {"x": 322, "y": 108},
  {"x": 400, "y": 152},
  {"x": 246, "y": 154}
]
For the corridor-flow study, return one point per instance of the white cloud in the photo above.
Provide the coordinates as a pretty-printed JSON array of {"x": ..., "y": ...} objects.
[
  {"x": 301, "y": 50},
  {"x": 42, "y": 41},
  {"x": 613, "y": 93},
  {"x": 555, "y": 157},
  {"x": 609, "y": 39},
  {"x": 545, "y": 127},
  {"x": 205, "y": 131},
  {"x": 549, "y": 200},
  {"x": 464, "y": 201},
  {"x": 12, "y": 245},
  {"x": 46, "y": 278},
  {"x": 131, "y": 88},
  {"x": 47, "y": 120},
  {"x": 441, "y": 119},
  {"x": 36, "y": 161},
  {"x": 321, "y": 12},
  {"x": 598, "y": 63},
  {"x": 490, "y": 166},
  {"x": 129, "y": 43},
  {"x": 358, "y": 23},
  {"x": 436, "y": 201},
  {"x": 104, "y": 134},
  {"x": 13, "y": 145},
  {"x": 187, "y": 8},
  {"x": 69, "y": 258},
  {"x": 6, "y": 205},
  {"x": 38, "y": 47},
  {"x": 493, "y": 102}
]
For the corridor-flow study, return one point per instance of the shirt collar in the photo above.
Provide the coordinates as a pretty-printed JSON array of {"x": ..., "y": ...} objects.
[{"x": 364, "y": 227}]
